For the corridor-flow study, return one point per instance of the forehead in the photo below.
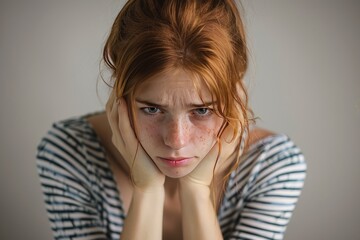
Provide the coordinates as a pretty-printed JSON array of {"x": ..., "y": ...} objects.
[{"x": 173, "y": 87}]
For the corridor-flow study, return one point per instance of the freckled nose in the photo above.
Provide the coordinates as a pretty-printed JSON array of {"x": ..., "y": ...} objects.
[{"x": 176, "y": 134}]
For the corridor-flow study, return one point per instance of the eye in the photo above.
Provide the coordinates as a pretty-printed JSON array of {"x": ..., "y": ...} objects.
[
  {"x": 150, "y": 110},
  {"x": 203, "y": 111}
]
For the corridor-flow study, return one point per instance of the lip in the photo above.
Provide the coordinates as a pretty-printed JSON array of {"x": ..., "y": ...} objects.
[{"x": 176, "y": 162}]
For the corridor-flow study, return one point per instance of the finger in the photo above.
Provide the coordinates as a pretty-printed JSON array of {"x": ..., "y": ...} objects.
[
  {"x": 113, "y": 118},
  {"x": 125, "y": 128},
  {"x": 111, "y": 111},
  {"x": 131, "y": 144}
]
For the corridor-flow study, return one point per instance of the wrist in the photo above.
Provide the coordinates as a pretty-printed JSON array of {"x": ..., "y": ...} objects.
[
  {"x": 191, "y": 182},
  {"x": 191, "y": 188},
  {"x": 149, "y": 190},
  {"x": 150, "y": 196},
  {"x": 147, "y": 181},
  {"x": 145, "y": 213}
]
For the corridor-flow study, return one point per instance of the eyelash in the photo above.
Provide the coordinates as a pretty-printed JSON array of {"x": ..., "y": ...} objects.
[
  {"x": 146, "y": 110},
  {"x": 208, "y": 112},
  {"x": 195, "y": 112}
]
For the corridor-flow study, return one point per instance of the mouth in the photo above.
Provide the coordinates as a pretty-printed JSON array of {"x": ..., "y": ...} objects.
[{"x": 176, "y": 162}]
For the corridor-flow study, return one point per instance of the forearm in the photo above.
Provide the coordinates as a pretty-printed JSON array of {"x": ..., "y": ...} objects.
[
  {"x": 145, "y": 216},
  {"x": 199, "y": 218}
]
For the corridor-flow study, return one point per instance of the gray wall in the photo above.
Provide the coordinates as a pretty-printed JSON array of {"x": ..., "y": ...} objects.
[{"x": 304, "y": 81}]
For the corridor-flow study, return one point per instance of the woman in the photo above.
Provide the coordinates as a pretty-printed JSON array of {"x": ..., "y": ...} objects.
[{"x": 171, "y": 158}]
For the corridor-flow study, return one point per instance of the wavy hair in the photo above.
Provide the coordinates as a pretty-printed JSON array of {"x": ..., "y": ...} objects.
[{"x": 203, "y": 38}]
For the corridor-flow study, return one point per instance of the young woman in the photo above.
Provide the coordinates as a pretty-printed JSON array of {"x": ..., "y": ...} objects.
[{"x": 176, "y": 154}]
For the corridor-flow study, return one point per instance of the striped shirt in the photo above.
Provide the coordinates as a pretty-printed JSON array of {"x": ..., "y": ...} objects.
[{"x": 83, "y": 202}]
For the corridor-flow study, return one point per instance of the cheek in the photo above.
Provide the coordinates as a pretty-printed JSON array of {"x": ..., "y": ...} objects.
[
  {"x": 206, "y": 135},
  {"x": 148, "y": 131}
]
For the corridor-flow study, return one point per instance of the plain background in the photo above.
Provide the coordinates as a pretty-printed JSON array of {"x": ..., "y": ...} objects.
[{"x": 304, "y": 81}]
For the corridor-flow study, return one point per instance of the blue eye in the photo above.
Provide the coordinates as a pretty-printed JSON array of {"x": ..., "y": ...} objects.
[
  {"x": 202, "y": 111},
  {"x": 151, "y": 110}
]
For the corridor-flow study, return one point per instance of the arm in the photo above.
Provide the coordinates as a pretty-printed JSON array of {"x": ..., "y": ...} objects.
[
  {"x": 199, "y": 218},
  {"x": 145, "y": 216},
  {"x": 70, "y": 205}
]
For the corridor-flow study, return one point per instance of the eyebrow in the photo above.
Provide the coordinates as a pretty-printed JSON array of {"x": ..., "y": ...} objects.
[{"x": 205, "y": 104}]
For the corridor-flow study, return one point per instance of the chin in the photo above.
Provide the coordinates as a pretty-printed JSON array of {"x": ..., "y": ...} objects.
[{"x": 176, "y": 173}]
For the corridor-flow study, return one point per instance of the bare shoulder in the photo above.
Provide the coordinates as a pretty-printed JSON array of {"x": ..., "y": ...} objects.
[
  {"x": 256, "y": 134},
  {"x": 100, "y": 125}
]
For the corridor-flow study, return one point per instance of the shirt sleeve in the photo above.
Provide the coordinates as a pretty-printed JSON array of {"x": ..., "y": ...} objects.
[
  {"x": 275, "y": 186},
  {"x": 61, "y": 164}
]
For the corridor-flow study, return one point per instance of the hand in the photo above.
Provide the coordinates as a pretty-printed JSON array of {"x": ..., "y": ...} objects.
[
  {"x": 203, "y": 174},
  {"x": 144, "y": 173}
]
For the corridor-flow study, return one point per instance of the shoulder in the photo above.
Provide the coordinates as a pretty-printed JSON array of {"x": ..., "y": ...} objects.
[
  {"x": 66, "y": 149},
  {"x": 266, "y": 186},
  {"x": 76, "y": 181},
  {"x": 270, "y": 148},
  {"x": 270, "y": 144},
  {"x": 273, "y": 157},
  {"x": 257, "y": 134},
  {"x": 67, "y": 135},
  {"x": 75, "y": 127}
]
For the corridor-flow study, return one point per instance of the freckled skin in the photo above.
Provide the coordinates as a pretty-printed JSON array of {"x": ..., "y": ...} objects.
[{"x": 177, "y": 129}]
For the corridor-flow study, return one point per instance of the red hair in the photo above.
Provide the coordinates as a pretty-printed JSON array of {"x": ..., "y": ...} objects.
[{"x": 204, "y": 38}]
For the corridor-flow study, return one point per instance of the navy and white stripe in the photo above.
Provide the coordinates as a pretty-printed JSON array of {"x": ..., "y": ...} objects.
[{"x": 83, "y": 202}]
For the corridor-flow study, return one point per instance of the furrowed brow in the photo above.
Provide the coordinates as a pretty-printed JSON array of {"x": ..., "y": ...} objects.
[
  {"x": 192, "y": 105},
  {"x": 150, "y": 103},
  {"x": 205, "y": 104}
]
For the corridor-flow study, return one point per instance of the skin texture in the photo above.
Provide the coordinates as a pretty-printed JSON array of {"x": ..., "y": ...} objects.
[
  {"x": 168, "y": 201},
  {"x": 172, "y": 213},
  {"x": 172, "y": 124}
]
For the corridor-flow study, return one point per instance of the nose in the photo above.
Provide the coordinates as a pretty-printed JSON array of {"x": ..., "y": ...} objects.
[{"x": 176, "y": 133}]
